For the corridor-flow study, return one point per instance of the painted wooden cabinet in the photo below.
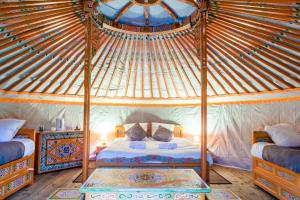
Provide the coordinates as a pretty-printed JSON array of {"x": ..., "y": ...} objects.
[
  {"x": 142, "y": 183},
  {"x": 59, "y": 150}
]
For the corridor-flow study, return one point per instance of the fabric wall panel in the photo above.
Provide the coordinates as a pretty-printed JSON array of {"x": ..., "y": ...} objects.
[{"x": 230, "y": 127}]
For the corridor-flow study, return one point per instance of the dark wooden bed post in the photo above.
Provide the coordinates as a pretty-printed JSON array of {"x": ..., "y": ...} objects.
[
  {"x": 87, "y": 80},
  {"x": 203, "y": 58}
]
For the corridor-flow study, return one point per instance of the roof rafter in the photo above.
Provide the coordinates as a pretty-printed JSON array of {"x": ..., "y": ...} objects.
[
  {"x": 169, "y": 10},
  {"x": 123, "y": 10}
]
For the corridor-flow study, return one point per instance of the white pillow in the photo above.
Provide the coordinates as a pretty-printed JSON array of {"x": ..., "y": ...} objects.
[
  {"x": 284, "y": 135},
  {"x": 9, "y": 128},
  {"x": 156, "y": 125}
]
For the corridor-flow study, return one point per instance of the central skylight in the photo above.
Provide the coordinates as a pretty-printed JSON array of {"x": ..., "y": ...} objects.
[{"x": 145, "y": 13}]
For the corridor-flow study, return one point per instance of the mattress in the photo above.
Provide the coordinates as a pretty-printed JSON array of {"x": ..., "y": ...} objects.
[
  {"x": 15, "y": 149},
  {"x": 285, "y": 157},
  {"x": 119, "y": 151},
  {"x": 258, "y": 148}
]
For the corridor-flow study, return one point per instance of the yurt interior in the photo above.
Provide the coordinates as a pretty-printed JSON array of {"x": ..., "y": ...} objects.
[{"x": 150, "y": 99}]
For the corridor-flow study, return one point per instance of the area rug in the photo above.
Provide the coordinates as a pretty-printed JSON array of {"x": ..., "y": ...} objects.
[
  {"x": 222, "y": 194},
  {"x": 66, "y": 194},
  {"x": 214, "y": 177}
]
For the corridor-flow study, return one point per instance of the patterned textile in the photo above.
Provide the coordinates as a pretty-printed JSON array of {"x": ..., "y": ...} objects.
[
  {"x": 65, "y": 193},
  {"x": 60, "y": 151},
  {"x": 21, "y": 165},
  {"x": 4, "y": 172},
  {"x": 149, "y": 158},
  {"x": 140, "y": 184},
  {"x": 18, "y": 182}
]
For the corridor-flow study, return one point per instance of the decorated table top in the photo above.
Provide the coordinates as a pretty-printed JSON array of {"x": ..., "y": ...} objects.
[{"x": 144, "y": 180}]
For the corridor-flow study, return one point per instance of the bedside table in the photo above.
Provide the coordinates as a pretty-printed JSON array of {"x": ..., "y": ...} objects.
[{"x": 100, "y": 148}]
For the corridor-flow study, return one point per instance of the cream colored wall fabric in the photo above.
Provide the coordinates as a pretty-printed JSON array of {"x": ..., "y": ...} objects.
[{"x": 229, "y": 126}]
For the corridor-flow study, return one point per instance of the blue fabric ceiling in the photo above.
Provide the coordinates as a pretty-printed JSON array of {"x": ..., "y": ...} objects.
[{"x": 130, "y": 12}]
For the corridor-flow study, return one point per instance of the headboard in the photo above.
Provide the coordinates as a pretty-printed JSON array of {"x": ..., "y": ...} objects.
[
  {"x": 28, "y": 133},
  {"x": 260, "y": 136},
  {"x": 120, "y": 131}
]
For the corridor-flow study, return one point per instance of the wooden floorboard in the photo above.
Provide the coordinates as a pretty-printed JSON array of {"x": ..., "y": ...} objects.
[
  {"x": 45, "y": 184},
  {"x": 241, "y": 184}
]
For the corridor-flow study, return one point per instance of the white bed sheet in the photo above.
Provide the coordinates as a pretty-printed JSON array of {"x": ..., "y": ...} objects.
[
  {"x": 185, "y": 149},
  {"x": 258, "y": 148},
  {"x": 28, "y": 144}
]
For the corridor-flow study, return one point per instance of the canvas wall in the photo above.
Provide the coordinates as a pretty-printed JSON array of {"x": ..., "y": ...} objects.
[{"x": 229, "y": 126}]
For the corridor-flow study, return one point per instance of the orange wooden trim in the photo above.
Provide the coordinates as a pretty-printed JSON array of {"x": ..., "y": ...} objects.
[
  {"x": 258, "y": 135},
  {"x": 278, "y": 183},
  {"x": 29, "y": 133},
  {"x": 109, "y": 51},
  {"x": 108, "y": 27},
  {"x": 160, "y": 47},
  {"x": 148, "y": 50},
  {"x": 123, "y": 10},
  {"x": 132, "y": 57},
  {"x": 175, "y": 54},
  {"x": 112, "y": 52},
  {"x": 151, "y": 98},
  {"x": 128, "y": 50},
  {"x": 161, "y": 65},
  {"x": 87, "y": 96},
  {"x": 121, "y": 51},
  {"x": 38, "y": 101},
  {"x": 179, "y": 77},
  {"x": 137, "y": 64},
  {"x": 154, "y": 63}
]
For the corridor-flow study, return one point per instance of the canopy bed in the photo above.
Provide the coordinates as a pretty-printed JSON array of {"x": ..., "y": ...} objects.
[
  {"x": 197, "y": 19},
  {"x": 176, "y": 153}
]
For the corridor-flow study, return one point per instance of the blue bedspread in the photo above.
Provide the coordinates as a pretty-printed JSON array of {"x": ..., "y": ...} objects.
[
  {"x": 10, "y": 151},
  {"x": 283, "y": 156}
]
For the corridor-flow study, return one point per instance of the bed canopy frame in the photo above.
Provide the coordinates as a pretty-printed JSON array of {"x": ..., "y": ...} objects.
[{"x": 201, "y": 46}]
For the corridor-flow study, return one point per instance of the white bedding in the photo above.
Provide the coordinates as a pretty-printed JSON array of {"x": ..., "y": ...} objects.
[
  {"x": 28, "y": 144},
  {"x": 185, "y": 149},
  {"x": 257, "y": 149}
]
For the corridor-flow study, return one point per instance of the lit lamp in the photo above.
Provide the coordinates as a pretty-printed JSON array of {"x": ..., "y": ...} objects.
[
  {"x": 197, "y": 139},
  {"x": 103, "y": 139}
]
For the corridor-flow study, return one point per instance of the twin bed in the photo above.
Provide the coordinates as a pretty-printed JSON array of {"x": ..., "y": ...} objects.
[
  {"x": 177, "y": 153},
  {"x": 276, "y": 169},
  {"x": 17, "y": 162}
]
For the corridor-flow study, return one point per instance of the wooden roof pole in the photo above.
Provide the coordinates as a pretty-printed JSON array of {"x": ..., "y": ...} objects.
[
  {"x": 203, "y": 59},
  {"x": 87, "y": 83}
]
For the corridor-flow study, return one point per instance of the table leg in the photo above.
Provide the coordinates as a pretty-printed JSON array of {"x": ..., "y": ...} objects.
[{"x": 202, "y": 197}]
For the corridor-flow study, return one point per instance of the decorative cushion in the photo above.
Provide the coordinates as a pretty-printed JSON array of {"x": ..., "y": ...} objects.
[
  {"x": 163, "y": 134},
  {"x": 284, "y": 135},
  {"x": 155, "y": 126},
  {"x": 9, "y": 128},
  {"x": 143, "y": 125},
  {"x": 136, "y": 133}
]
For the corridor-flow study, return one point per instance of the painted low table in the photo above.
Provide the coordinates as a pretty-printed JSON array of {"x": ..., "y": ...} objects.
[{"x": 149, "y": 184}]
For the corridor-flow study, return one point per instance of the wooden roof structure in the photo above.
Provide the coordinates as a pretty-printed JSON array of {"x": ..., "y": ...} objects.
[{"x": 253, "y": 47}]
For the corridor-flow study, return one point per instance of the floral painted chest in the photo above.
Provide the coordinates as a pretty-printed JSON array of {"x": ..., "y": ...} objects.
[
  {"x": 59, "y": 150},
  {"x": 144, "y": 184}
]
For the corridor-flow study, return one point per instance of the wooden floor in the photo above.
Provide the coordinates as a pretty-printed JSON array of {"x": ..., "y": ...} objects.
[{"x": 45, "y": 184}]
